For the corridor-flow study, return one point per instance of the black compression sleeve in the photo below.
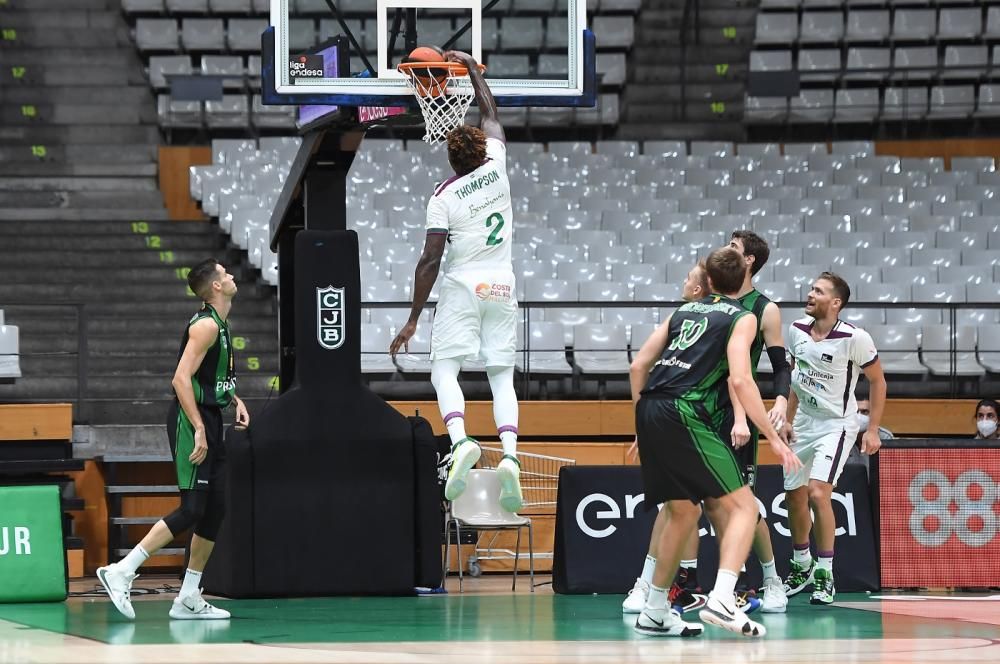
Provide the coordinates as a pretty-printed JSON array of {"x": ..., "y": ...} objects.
[{"x": 782, "y": 371}]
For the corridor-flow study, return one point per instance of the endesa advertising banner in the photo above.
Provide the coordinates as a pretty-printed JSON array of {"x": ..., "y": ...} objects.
[
  {"x": 603, "y": 527},
  {"x": 940, "y": 513}
]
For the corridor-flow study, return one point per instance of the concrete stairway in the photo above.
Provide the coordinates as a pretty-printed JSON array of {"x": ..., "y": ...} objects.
[
  {"x": 715, "y": 74},
  {"x": 78, "y": 131},
  {"x": 129, "y": 278}
]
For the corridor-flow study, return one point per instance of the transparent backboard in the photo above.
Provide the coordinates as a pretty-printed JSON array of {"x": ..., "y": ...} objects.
[{"x": 536, "y": 52}]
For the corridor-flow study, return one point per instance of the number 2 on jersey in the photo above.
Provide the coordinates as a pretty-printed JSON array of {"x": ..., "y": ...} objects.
[{"x": 493, "y": 240}]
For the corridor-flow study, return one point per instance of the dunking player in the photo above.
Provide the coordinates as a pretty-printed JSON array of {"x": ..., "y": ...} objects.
[
  {"x": 677, "y": 376},
  {"x": 734, "y": 428},
  {"x": 826, "y": 356},
  {"x": 477, "y": 309},
  {"x": 204, "y": 383}
]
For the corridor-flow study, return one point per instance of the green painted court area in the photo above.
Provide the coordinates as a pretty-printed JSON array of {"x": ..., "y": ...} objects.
[{"x": 543, "y": 617}]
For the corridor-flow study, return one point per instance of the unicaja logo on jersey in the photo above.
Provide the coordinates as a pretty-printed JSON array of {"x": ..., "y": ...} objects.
[
  {"x": 482, "y": 291},
  {"x": 330, "y": 317}
]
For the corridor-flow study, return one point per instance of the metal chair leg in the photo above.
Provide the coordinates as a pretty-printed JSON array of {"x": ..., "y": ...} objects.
[
  {"x": 531, "y": 556},
  {"x": 458, "y": 536},
  {"x": 517, "y": 557}
]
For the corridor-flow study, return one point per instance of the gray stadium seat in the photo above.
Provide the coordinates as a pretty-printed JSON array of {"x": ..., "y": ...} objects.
[
  {"x": 617, "y": 32},
  {"x": 876, "y": 59},
  {"x": 230, "y": 6},
  {"x": 160, "y": 66},
  {"x": 952, "y": 102},
  {"x": 882, "y": 292},
  {"x": 770, "y": 60},
  {"x": 964, "y": 62},
  {"x": 178, "y": 114},
  {"x": 224, "y": 65},
  {"x": 856, "y": 240},
  {"x": 856, "y": 105},
  {"x": 963, "y": 274},
  {"x": 280, "y": 117},
  {"x": 960, "y": 23},
  {"x": 857, "y": 149},
  {"x": 158, "y": 34},
  {"x": 988, "y": 347},
  {"x": 712, "y": 149},
  {"x": 546, "y": 350},
  {"x": 973, "y": 164},
  {"x": 765, "y": 109},
  {"x": 665, "y": 148},
  {"x": 187, "y": 6},
  {"x": 601, "y": 349},
  {"x": 142, "y": 6},
  {"x": 819, "y": 64},
  {"x": 243, "y": 34},
  {"x": 914, "y": 24},
  {"x": 904, "y": 103},
  {"x": 914, "y": 63},
  {"x": 912, "y": 275},
  {"x": 375, "y": 358},
  {"x": 867, "y": 26},
  {"x": 611, "y": 67},
  {"x": 898, "y": 349},
  {"x": 821, "y": 27},
  {"x": 203, "y": 34},
  {"x": 776, "y": 28},
  {"x": 811, "y": 106},
  {"x": 935, "y": 345},
  {"x": 230, "y": 111}
]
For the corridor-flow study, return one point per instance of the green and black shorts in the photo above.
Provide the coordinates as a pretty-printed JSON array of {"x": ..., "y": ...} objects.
[
  {"x": 683, "y": 456},
  {"x": 180, "y": 432},
  {"x": 746, "y": 456}
]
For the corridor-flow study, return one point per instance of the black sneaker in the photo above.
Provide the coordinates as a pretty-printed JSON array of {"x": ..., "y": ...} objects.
[{"x": 683, "y": 600}]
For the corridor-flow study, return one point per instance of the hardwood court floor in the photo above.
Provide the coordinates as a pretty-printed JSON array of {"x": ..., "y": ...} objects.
[{"x": 488, "y": 623}]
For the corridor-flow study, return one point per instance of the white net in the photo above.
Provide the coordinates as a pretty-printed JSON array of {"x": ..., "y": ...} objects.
[{"x": 442, "y": 102}]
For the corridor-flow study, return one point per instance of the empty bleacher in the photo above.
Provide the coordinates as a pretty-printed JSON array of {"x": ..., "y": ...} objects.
[{"x": 621, "y": 222}]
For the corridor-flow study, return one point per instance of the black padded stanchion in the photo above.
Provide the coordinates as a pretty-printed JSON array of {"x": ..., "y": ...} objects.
[{"x": 333, "y": 479}]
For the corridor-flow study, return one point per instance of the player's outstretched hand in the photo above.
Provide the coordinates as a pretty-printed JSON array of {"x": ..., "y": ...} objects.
[
  {"x": 789, "y": 460},
  {"x": 633, "y": 451},
  {"x": 460, "y": 57},
  {"x": 403, "y": 339},
  {"x": 740, "y": 435},
  {"x": 870, "y": 442}
]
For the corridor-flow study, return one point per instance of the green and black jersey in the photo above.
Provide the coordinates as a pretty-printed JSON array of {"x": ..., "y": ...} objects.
[
  {"x": 755, "y": 302},
  {"x": 215, "y": 381},
  {"x": 694, "y": 365}
]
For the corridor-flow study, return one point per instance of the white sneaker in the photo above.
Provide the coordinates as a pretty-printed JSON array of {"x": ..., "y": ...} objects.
[
  {"x": 730, "y": 618},
  {"x": 636, "y": 600},
  {"x": 464, "y": 456},
  {"x": 118, "y": 585},
  {"x": 775, "y": 600},
  {"x": 665, "y": 622},
  {"x": 194, "y": 607},
  {"x": 509, "y": 474}
]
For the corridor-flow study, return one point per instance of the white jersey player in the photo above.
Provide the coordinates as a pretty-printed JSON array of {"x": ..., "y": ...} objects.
[
  {"x": 827, "y": 355},
  {"x": 476, "y": 315}
]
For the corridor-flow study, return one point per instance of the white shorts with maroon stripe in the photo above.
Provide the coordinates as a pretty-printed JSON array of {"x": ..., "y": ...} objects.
[{"x": 822, "y": 446}]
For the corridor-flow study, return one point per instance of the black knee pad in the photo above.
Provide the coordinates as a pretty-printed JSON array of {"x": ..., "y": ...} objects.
[
  {"x": 192, "y": 510},
  {"x": 210, "y": 522}
]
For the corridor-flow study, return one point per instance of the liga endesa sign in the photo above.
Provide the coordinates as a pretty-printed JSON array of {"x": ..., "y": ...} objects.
[{"x": 939, "y": 513}]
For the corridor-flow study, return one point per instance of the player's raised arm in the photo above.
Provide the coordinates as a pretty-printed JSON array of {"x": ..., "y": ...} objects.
[
  {"x": 646, "y": 358},
  {"x": 489, "y": 118},
  {"x": 775, "y": 344}
]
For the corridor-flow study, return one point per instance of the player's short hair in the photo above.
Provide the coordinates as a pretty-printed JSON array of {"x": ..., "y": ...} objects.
[
  {"x": 726, "y": 270},
  {"x": 989, "y": 403},
  {"x": 703, "y": 281},
  {"x": 466, "y": 148},
  {"x": 840, "y": 287},
  {"x": 201, "y": 276},
  {"x": 753, "y": 245}
]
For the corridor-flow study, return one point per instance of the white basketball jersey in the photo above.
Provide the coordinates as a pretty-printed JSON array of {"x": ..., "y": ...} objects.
[
  {"x": 475, "y": 211},
  {"x": 825, "y": 373}
]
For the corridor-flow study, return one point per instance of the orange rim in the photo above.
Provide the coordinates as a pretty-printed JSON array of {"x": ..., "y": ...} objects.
[{"x": 454, "y": 68}]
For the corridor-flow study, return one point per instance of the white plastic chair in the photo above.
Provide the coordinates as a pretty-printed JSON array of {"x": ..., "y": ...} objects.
[{"x": 479, "y": 508}]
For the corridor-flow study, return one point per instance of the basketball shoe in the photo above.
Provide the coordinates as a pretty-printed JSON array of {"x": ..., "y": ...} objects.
[
  {"x": 683, "y": 600},
  {"x": 118, "y": 585},
  {"x": 665, "y": 622},
  {"x": 730, "y": 618},
  {"x": 823, "y": 590},
  {"x": 775, "y": 600},
  {"x": 636, "y": 599},
  {"x": 746, "y": 601},
  {"x": 798, "y": 578},
  {"x": 194, "y": 607},
  {"x": 464, "y": 455},
  {"x": 509, "y": 474}
]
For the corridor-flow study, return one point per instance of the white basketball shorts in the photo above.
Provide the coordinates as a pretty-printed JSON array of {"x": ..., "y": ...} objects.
[
  {"x": 476, "y": 314},
  {"x": 822, "y": 446}
]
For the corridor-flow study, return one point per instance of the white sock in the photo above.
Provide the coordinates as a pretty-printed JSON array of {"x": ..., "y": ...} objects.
[
  {"x": 134, "y": 559},
  {"x": 648, "y": 568},
  {"x": 770, "y": 571},
  {"x": 504, "y": 406},
  {"x": 802, "y": 557},
  {"x": 191, "y": 584},
  {"x": 690, "y": 564},
  {"x": 451, "y": 401},
  {"x": 725, "y": 586},
  {"x": 656, "y": 600},
  {"x": 824, "y": 562}
]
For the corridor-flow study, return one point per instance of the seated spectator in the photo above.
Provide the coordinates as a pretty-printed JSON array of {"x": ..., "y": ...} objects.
[
  {"x": 986, "y": 420},
  {"x": 864, "y": 409}
]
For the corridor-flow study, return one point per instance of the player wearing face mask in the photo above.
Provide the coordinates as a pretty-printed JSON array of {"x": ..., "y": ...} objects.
[
  {"x": 987, "y": 411},
  {"x": 864, "y": 410}
]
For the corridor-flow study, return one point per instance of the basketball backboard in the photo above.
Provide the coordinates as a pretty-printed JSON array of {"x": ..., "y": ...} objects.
[{"x": 537, "y": 52}]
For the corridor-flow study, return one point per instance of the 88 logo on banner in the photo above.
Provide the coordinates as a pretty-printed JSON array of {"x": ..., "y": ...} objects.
[{"x": 942, "y": 508}]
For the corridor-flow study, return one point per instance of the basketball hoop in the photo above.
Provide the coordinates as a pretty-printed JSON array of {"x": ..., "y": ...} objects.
[{"x": 444, "y": 95}]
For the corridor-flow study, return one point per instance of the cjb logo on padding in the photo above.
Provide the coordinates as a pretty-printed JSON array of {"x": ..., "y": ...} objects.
[{"x": 330, "y": 317}]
